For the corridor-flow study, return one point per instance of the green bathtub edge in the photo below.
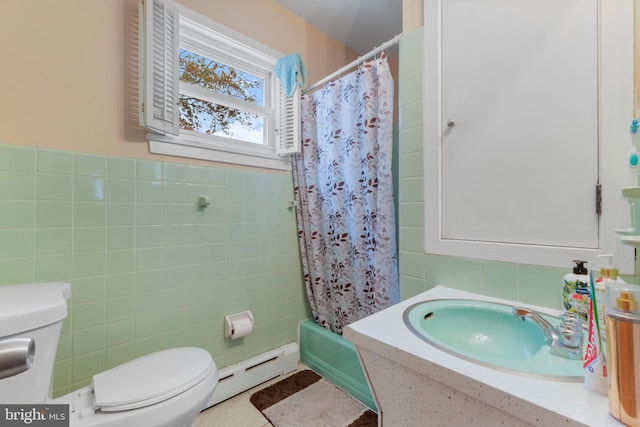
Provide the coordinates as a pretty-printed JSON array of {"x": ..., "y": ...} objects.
[{"x": 335, "y": 359}]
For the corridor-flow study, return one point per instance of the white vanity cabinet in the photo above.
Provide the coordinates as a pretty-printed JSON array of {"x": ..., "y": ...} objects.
[{"x": 416, "y": 384}]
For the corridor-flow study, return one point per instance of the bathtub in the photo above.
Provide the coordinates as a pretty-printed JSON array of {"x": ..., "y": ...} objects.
[{"x": 334, "y": 358}]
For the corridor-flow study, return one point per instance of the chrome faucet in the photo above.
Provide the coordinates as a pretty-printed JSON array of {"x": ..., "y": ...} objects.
[{"x": 566, "y": 341}]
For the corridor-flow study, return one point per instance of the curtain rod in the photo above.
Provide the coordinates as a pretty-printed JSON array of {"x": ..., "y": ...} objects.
[{"x": 360, "y": 59}]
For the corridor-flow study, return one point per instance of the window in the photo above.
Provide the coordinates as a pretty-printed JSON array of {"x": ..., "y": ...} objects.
[{"x": 210, "y": 92}]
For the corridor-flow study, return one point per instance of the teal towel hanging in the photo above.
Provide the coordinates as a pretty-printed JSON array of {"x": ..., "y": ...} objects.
[{"x": 291, "y": 71}]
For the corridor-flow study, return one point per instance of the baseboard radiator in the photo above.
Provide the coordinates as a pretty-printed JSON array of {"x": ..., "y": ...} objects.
[{"x": 238, "y": 378}]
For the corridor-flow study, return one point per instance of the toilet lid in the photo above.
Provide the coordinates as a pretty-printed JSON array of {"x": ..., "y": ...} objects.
[{"x": 151, "y": 379}]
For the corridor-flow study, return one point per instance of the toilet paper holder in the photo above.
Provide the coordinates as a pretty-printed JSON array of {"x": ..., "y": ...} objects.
[{"x": 231, "y": 322}]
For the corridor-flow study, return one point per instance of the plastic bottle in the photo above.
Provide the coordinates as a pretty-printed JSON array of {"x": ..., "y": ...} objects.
[
  {"x": 575, "y": 291},
  {"x": 608, "y": 274}
]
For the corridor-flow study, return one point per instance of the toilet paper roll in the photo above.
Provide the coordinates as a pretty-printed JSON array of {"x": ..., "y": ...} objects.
[{"x": 240, "y": 328}]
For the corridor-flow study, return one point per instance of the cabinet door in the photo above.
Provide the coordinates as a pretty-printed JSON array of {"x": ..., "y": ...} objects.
[
  {"x": 527, "y": 105},
  {"x": 520, "y": 95}
]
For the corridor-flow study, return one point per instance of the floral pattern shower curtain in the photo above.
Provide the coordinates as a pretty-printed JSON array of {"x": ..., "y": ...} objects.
[{"x": 343, "y": 186}]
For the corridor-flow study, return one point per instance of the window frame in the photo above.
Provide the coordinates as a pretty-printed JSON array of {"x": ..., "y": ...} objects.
[{"x": 203, "y": 36}]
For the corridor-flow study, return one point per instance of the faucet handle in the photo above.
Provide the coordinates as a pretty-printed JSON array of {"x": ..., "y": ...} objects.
[
  {"x": 571, "y": 336},
  {"x": 571, "y": 317},
  {"x": 572, "y": 320},
  {"x": 17, "y": 356},
  {"x": 571, "y": 329}
]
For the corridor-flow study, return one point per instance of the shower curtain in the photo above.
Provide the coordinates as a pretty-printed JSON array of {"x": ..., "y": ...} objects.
[{"x": 343, "y": 186}]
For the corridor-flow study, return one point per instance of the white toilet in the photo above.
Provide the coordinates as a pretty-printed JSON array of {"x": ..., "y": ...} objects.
[{"x": 163, "y": 389}]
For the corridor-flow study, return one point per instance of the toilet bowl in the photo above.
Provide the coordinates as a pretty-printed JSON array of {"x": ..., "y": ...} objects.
[{"x": 163, "y": 389}]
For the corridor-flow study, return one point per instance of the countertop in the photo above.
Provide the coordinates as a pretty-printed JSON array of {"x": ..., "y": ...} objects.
[{"x": 538, "y": 401}]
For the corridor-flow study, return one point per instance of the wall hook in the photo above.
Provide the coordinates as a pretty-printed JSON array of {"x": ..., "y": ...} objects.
[{"x": 203, "y": 201}]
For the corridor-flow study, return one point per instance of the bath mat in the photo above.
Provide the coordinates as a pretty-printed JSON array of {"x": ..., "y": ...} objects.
[{"x": 307, "y": 399}]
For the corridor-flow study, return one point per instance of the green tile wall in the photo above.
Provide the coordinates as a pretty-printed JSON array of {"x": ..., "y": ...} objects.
[
  {"x": 418, "y": 271},
  {"x": 149, "y": 269}
]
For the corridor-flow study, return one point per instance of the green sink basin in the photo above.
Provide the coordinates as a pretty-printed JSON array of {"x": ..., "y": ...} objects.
[{"x": 488, "y": 334}]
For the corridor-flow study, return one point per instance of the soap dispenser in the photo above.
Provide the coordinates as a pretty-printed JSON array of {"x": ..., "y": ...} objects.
[
  {"x": 623, "y": 352},
  {"x": 575, "y": 291}
]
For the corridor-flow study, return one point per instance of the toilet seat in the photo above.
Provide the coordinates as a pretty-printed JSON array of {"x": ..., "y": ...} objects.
[{"x": 150, "y": 379}]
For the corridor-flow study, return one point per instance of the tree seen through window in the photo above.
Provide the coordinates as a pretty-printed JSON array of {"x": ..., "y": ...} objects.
[{"x": 214, "y": 118}]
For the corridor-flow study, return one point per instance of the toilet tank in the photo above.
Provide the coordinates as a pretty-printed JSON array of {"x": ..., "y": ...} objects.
[{"x": 31, "y": 311}]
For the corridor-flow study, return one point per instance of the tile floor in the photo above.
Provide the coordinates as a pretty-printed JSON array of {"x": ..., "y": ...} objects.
[{"x": 238, "y": 411}]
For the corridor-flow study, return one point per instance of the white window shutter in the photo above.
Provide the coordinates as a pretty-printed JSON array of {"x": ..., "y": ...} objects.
[
  {"x": 161, "y": 88},
  {"x": 288, "y": 123}
]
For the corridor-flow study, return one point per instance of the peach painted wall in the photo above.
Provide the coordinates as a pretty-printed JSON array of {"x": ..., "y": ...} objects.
[
  {"x": 412, "y": 15},
  {"x": 69, "y": 66}
]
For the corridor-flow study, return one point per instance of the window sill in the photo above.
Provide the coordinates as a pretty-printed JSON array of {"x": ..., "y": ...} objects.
[{"x": 192, "y": 148}]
